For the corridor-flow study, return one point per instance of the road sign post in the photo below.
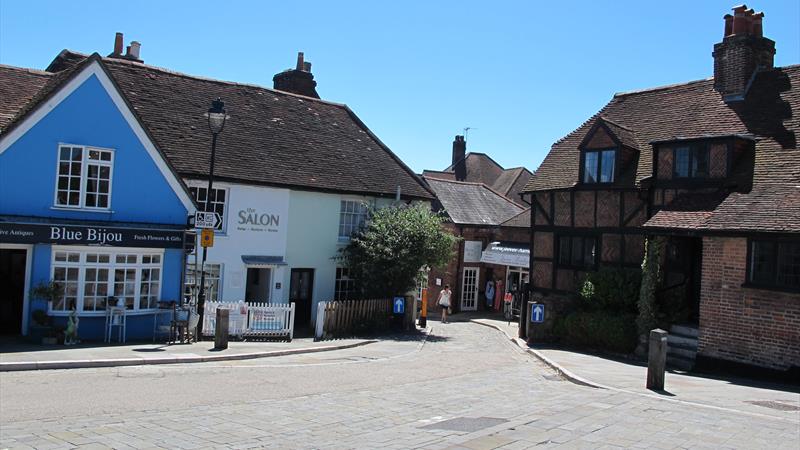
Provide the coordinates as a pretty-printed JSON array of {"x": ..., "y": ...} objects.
[{"x": 204, "y": 220}]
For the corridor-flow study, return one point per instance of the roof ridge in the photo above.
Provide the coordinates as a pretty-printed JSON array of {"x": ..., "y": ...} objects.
[
  {"x": 524, "y": 210},
  {"x": 27, "y": 69},
  {"x": 215, "y": 80},
  {"x": 659, "y": 88}
]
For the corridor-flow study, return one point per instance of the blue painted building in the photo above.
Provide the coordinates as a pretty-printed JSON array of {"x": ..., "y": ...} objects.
[{"x": 89, "y": 201}]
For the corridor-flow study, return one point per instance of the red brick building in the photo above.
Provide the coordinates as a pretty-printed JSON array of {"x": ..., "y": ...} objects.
[
  {"x": 712, "y": 166},
  {"x": 494, "y": 234}
]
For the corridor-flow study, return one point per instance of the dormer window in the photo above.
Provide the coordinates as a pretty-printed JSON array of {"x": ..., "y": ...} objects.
[
  {"x": 598, "y": 166},
  {"x": 691, "y": 161}
]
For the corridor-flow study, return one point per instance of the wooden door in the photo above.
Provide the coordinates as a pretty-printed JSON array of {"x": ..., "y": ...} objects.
[
  {"x": 301, "y": 291},
  {"x": 12, "y": 293}
]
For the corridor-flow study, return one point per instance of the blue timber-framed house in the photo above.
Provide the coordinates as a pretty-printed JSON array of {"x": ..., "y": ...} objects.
[{"x": 87, "y": 200}]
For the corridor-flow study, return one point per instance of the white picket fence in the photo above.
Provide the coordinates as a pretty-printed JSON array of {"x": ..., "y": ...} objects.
[{"x": 252, "y": 320}]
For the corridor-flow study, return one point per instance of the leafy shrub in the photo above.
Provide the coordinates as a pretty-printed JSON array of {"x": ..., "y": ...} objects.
[
  {"x": 612, "y": 289},
  {"x": 601, "y": 330}
]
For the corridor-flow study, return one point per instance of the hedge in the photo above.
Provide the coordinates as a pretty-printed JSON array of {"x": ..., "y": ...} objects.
[{"x": 600, "y": 330}]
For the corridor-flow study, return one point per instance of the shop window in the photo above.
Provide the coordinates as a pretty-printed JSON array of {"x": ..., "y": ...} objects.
[
  {"x": 352, "y": 217},
  {"x": 84, "y": 177},
  {"x": 691, "y": 161},
  {"x": 345, "y": 286},
  {"x": 775, "y": 263},
  {"x": 598, "y": 166},
  {"x": 88, "y": 278},
  {"x": 577, "y": 251},
  {"x": 213, "y": 287},
  {"x": 219, "y": 197}
]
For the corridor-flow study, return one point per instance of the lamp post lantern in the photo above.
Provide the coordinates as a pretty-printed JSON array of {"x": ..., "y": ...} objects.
[{"x": 216, "y": 122}]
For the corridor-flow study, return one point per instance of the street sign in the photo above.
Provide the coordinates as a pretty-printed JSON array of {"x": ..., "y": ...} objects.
[
  {"x": 205, "y": 220},
  {"x": 399, "y": 306},
  {"x": 537, "y": 313},
  {"x": 207, "y": 237}
]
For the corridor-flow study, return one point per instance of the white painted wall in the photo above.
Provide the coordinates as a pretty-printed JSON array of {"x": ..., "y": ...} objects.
[
  {"x": 239, "y": 238},
  {"x": 307, "y": 237}
]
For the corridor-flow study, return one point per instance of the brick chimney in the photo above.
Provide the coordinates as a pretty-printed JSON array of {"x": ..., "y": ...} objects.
[
  {"x": 298, "y": 80},
  {"x": 459, "y": 163},
  {"x": 741, "y": 54}
]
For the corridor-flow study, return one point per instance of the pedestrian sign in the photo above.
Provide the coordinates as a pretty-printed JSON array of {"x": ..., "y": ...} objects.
[
  {"x": 399, "y": 306},
  {"x": 207, "y": 237},
  {"x": 537, "y": 313}
]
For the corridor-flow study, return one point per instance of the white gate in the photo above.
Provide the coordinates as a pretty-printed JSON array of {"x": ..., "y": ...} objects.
[
  {"x": 469, "y": 289},
  {"x": 252, "y": 319}
]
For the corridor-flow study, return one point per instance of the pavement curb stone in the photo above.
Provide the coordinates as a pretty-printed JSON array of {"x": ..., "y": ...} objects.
[{"x": 188, "y": 359}]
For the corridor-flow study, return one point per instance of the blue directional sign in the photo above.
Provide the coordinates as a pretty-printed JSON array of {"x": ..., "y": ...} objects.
[
  {"x": 399, "y": 306},
  {"x": 537, "y": 313}
]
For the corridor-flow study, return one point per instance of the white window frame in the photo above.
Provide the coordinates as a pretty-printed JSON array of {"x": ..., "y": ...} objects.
[
  {"x": 191, "y": 266},
  {"x": 337, "y": 293},
  {"x": 112, "y": 265},
  {"x": 361, "y": 203},
  {"x": 85, "y": 149},
  {"x": 201, "y": 205}
]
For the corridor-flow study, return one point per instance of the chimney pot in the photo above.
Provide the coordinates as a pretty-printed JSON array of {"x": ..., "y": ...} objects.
[
  {"x": 300, "y": 62},
  {"x": 728, "y": 25},
  {"x": 758, "y": 25},
  {"x": 128, "y": 51},
  {"x": 134, "y": 49},
  {"x": 118, "y": 44},
  {"x": 307, "y": 67}
]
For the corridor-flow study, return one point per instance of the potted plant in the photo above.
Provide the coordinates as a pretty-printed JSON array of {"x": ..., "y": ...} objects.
[{"x": 42, "y": 329}]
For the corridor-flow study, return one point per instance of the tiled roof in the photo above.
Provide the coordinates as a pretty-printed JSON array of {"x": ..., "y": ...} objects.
[
  {"x": 770, "y": 113},
  {"x": 472, "y": 203},
  {"x": 272, "y": 137},
  {"x": 623, "y": 134},
  {"x": 511, "y": 181},
  {"x": 480, "y": 168},
  {"x": 687, "y": 211},
  {"x": 440, "y": 174},
  {"x": 18, "y": 86},
  {"x": 521, "y": 220}
]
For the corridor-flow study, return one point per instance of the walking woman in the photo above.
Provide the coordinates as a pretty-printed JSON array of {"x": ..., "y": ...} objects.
[{"x": 444, "y": 301}]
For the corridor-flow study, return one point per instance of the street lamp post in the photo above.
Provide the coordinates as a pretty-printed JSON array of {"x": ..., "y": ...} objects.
[{"x": 216, "y": 122}]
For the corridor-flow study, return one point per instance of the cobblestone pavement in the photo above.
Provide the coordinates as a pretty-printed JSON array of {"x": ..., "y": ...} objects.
[{"x": 466, "y": 387}]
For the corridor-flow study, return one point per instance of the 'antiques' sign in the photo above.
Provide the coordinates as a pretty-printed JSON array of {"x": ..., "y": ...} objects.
[{"x": 26, "y": 233}]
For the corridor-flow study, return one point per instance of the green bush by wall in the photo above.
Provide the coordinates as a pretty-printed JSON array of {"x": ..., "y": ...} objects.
[{"x": 599, "y": 330}]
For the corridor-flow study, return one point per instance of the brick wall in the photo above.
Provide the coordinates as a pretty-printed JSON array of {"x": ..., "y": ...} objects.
[{"x": 744, "y": 325}]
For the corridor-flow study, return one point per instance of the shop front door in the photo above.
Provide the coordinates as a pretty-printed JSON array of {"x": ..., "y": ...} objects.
[
  {"x": 258, "y": 284},
  {"x": 301, "y": 291},
  {"x": 12, "y": 289},
  {"x": 469, "y": 289}
]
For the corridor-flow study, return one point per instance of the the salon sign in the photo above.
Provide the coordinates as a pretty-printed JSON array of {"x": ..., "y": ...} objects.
[{"x": 26, "y": 233}]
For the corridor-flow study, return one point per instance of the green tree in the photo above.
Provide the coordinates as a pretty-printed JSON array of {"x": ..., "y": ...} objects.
[{"x": 386, "y": 256}]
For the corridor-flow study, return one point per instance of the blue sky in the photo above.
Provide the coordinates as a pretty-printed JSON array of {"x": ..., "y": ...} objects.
[{"x": 520, "y": 73}]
